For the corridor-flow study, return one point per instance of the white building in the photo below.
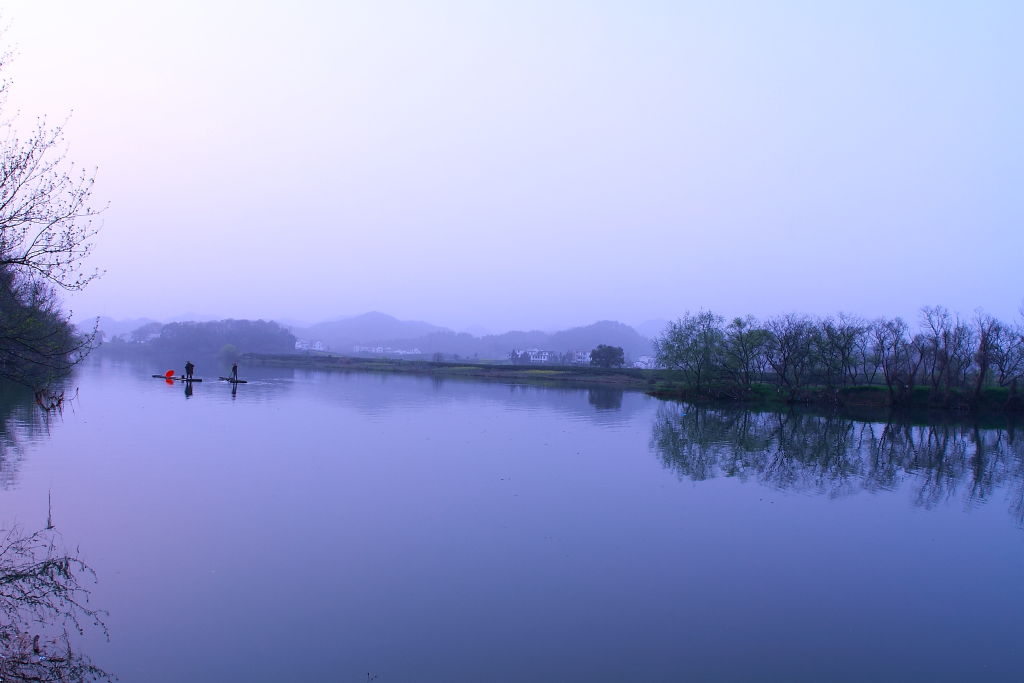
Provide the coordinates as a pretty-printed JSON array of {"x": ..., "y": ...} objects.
[
  {"x": 387, "y": 350},
  {"x": 535, "y": 355}
]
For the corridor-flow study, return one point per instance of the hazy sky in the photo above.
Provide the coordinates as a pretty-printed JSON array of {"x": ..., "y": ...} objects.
[{"x": 527, "y": 164}]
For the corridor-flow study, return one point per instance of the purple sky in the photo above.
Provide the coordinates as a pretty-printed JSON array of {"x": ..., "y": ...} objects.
[{"x": 538, "y": 164}]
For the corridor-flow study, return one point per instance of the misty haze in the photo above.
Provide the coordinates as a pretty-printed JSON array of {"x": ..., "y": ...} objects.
[{"x": 442, "y": 342}]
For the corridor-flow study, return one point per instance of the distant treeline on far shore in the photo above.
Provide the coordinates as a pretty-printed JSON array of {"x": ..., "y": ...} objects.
[
  {"x": 946, "y": 361},
  {"x": 226, "y": 338}
]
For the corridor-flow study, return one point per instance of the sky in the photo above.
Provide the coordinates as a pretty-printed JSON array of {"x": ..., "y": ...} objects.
[{"x": 537, "y": 165}]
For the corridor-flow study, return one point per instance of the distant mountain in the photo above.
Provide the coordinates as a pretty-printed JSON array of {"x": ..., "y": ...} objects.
[
  {"x": 476, "y": 331},
  {"x": 652, "y": 329},
  {"x": 380, "y": 329},
  {"x": 292, "y": 324},
  {"x": 193, "y": 317},
  {"x": 497, "y": 346},
  {"x": 111, "y": 327},
  {"x": 368, "y": 328},
  {"x": 606, "y": 332}
]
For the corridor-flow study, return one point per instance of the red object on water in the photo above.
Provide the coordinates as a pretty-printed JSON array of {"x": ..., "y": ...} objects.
[{"x": 169, "y": 373}]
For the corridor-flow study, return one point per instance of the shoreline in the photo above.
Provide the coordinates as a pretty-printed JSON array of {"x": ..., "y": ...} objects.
[
  {"x": 871, "y": 403},
  {"x": 625, "y": 378}
]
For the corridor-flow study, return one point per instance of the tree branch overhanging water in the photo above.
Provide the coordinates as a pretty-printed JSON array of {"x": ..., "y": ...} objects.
[{"x": 43, "y": 602}]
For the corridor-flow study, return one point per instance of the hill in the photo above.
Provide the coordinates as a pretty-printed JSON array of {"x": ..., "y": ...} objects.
[
  {"x": 368, "y": 328},
  {"x": 110, "y": 327},
  {"x": 379, "y": 329}
]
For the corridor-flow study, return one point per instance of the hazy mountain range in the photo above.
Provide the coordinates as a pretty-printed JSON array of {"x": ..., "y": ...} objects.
[
  {"x": 367, "y": 328},
  {"x": 376, "y": 329},
  {"x": 380, "y": 329}
]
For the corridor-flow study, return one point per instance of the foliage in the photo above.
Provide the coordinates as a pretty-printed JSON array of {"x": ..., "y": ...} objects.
[
  {"x": 955, "y": 361},
  {"x": 223, "y": 338},
  {"x": 37, "y": 342},
  {"x": 46, "y": 233},
  {"x": 692, "y": 344},
  {"x": 605, "y": 356},
  {"x": 743, "y": 351}
]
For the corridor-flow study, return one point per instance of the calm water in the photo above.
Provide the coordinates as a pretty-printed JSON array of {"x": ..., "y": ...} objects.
[{"x": 320, "y": 527}]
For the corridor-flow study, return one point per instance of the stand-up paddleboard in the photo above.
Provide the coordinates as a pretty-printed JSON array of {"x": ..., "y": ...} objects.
[
  {"x": 235, "y": 381},
  {"x": 180, "y": 379}
]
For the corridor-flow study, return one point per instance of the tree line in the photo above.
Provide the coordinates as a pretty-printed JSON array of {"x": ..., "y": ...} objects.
[
  {"x": 951, "y": 359},
  {"x": 218, "y": 337}
]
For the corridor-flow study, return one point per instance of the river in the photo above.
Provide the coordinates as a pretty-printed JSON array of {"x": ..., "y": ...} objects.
[{"x": 312, "y": 526}]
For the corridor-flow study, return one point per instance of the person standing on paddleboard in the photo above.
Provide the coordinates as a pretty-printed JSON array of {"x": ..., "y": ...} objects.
[
  {"x": 234, "y": 371},
  {"x": 189, "y": 369}
]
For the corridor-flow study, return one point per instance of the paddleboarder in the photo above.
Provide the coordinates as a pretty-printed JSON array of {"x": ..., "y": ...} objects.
[
  {"x": 189, "y": 369},
  {"x": 234, "y": 371}
]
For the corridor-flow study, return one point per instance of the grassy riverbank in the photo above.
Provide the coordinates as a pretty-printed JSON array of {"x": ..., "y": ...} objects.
[{"x": 668, "y": 384}]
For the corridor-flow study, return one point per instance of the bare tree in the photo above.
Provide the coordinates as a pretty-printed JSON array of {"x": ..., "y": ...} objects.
[
  {"x": 947, "y": 349},
  {"x": 743, "y": 351},
  {"x": 1008, "y": 357},
  {"x": 931, "y": 343},
  {"x": 896, "y": 356},
  {"x": 789, "y": 350},
  {"x": 836, "y": 346},
  {"x": 987, "y": 333},
  {"x": 47, "y": 227},
  {"x": 866, "y": 352},
  {"x": 42, "y": 601}
]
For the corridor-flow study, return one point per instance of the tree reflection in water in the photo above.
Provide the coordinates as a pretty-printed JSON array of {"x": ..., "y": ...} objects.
[
  {"x": 42, "y": 602},
  {"x": 20, "y": 421},
  {"x": 837, "y": 456},
  {"x": 24, "y": 418},
  {"x": 605, "y": 398}
]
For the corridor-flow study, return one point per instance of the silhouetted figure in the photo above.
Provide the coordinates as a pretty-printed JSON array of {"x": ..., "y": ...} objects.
[
  {"x": 188, "y": 389},
  {"x": 189, "y": 369},
  {"x": 234, "y": 371}
]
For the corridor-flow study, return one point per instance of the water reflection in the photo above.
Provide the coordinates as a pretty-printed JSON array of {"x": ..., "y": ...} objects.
[
  {"x": 838, "y": 456},
  {"x": 380, "y": 394},
  {"x": 22, "y": 421},
  {"x": 605, "y": 398},
  {"x": 43, "y": 603}
]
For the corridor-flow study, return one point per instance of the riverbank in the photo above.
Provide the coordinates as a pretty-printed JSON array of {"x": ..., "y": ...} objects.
[{"x": 869, "y": 401}]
